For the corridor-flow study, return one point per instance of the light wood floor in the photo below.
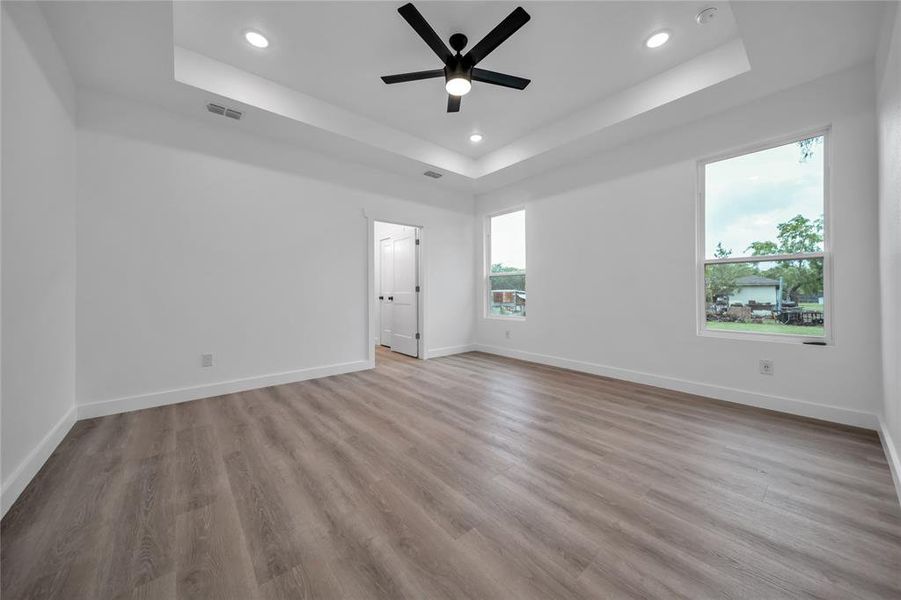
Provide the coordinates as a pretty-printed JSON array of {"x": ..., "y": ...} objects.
[{"x": 470, "y": 476}]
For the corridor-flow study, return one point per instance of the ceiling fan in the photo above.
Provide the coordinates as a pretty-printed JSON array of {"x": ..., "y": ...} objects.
[{"x": 460, "y": 70}]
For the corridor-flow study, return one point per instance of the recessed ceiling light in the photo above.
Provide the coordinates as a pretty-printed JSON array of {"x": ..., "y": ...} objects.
[
  {"x": 475, "y": 138},
  {"x": 657, "y": 40},
  {"x": 256, "y": 39}
]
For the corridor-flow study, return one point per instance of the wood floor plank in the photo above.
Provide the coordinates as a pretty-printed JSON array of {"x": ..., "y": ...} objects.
[
  {"x": 272, "y": 548},
  {"x": 212, "y": 559},
  {"x": 470, "y": 476}
]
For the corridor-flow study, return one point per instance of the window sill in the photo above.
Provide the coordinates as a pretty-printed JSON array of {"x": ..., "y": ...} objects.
[
  {"x": 779, "y": 338},
  {"x": 503, "y": 318}
]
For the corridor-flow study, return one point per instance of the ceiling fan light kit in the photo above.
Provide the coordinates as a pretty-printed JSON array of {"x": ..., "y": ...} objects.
[
  {"x": 458, "y": 86},
  {"x": 458, "y": 78},
  {"x": 460, "y": 69}
]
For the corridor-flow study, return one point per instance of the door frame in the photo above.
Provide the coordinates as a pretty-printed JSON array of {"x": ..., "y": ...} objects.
[{"x": 371, "y": 304}]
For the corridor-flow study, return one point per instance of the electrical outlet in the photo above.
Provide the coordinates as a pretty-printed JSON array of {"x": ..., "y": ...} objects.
[
  {"x": 507, "y": 334},
  {"x": 766, "y": 367},
  {"x": 206, "y": 360}
]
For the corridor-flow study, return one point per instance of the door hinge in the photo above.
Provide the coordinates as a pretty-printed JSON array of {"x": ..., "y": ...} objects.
[
  {"x": 417, "y": 336},
  {"x": 417, "y": 241},
  {"x": 417, "y": 288}
]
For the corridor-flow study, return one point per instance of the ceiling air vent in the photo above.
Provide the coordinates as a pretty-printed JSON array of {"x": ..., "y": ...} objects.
[
  {"x": 432, "y": 174},
  {"x": 221, "y": 110}
]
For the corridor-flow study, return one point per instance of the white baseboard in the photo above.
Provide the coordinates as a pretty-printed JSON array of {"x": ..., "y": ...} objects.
[
  {"x": 19, "y": 479},
  {"x": 448, "y": 350},
  {"x": 891, "y": 455},
  {"x": 793, "y": 406},
  {"x": 129, "y": 403}
]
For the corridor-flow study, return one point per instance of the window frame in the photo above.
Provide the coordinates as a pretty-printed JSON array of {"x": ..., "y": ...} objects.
[
  {"x": 486, "y": 279},
  {"x": 825, "y": 255}
]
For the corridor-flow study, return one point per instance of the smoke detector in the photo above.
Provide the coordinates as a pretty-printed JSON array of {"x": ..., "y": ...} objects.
[{"x": 706, "y": 16}]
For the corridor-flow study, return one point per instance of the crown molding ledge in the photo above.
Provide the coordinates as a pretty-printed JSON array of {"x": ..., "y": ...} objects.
[
  {"x": 203, "y": 72},
  {"x": 708, "y": 69}
]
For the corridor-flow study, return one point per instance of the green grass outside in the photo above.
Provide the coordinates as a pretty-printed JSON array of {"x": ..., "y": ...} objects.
[{"x": 811, "y": 330}]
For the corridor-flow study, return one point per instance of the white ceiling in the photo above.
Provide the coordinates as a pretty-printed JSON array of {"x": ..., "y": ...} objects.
[
  {"x": 576, "y": 53},
  {"x": 625, "y": 92}
]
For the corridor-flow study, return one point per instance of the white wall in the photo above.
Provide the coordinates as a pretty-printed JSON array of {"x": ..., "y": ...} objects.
[
  {"x": 620, "y": 227},
  {"x": 194, "y": 237},
  {"x": 889, "y": 125},
  {"x": 38, "y": 247}
]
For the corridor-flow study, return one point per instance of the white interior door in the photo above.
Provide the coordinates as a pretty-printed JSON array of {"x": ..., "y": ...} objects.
[
  {"x": 404, "y": 324},
  {"x": 386, "y": 290}
]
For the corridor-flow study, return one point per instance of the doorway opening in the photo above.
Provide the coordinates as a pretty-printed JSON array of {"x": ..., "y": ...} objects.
[{"x": 397, "y": 289}]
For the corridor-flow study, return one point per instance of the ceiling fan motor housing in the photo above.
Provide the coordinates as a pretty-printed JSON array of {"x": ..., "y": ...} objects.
[{"x": 456, "y": 69}]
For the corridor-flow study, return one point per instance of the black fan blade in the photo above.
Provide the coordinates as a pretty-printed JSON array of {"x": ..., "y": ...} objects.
[
  {"x": 453, "y": 103},
  {"x": 496, "y": 36},
  {"x": 425, "y": 31},
  {"x": 415, "y": 76},
  {"x": 510, "y": 81}
]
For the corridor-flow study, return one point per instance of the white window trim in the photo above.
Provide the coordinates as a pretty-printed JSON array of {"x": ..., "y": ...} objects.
[
  {"x": 486, "y": 267},
  {"x": 826, "y": 254}
]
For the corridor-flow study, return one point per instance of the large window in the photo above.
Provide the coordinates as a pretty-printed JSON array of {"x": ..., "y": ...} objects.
[
  {"x": 506, "y": 245},
  {"x": 764, "y": 243}
]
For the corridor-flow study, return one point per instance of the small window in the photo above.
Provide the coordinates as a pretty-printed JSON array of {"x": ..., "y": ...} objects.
[
  {"x": 506, "y": 283},
  {"x": 764, "y": 241}
]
